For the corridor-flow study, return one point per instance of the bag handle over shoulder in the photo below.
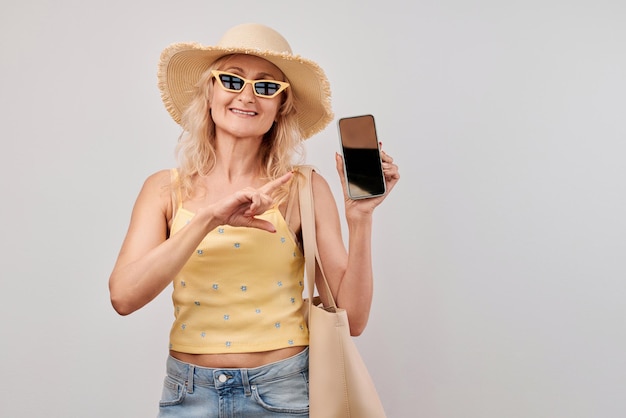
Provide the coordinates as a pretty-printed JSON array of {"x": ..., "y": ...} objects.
[{"x": 309, "y": 238}]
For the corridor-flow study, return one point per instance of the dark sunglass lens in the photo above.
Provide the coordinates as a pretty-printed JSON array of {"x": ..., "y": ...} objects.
[
  {"x": 231, "y": 82},
  {"x": 266, "y": 88}
]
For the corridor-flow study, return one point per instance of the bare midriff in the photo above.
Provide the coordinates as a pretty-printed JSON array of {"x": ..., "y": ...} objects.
[{"x": 237, "y": 360}]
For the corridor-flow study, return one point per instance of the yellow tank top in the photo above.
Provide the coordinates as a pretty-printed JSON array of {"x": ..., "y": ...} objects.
[{"x": 240, "y": 291}]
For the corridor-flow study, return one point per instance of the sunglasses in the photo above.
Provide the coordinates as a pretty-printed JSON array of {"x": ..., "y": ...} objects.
[{"x": 261, "y": 88}]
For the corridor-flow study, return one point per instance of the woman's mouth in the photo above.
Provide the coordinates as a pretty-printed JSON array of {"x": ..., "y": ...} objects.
[{"x": 243, "y": 112}]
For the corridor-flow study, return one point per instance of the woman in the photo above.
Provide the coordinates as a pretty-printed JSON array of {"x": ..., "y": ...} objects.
[{"x": 224, "y": 228}]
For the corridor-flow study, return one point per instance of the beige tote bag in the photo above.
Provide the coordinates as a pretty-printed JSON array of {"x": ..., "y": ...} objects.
[{"x": 340, "y": 385}]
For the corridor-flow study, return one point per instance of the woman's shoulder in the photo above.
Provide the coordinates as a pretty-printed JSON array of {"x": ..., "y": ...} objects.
[
  {"x": 156, "y": 192},
  {"x": 305, "y": 169},
  {"x": 161, "y": 178},
  {"x": 316, "y": 177},
  {"x": 164, "y": 174},
  {"x": 158, "y": 185}
]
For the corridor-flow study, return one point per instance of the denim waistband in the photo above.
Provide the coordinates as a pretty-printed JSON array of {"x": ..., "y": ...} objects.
[{"x": 220, "y": 378}]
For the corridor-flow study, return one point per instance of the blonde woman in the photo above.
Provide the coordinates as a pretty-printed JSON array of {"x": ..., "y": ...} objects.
[{"x": 224, "y": 229}]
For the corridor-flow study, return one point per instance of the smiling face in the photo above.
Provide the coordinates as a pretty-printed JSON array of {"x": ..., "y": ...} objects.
[{"x": 243, "y": 114}]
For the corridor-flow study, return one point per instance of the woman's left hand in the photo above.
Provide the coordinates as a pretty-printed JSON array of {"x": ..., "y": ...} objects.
[{"x": 366, "y": 206}]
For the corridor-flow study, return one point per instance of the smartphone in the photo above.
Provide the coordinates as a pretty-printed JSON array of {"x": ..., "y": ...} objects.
[{"x": 361, "y": 157}]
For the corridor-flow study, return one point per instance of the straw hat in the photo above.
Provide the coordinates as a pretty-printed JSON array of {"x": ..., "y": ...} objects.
[{"x": 182, "y": 64}]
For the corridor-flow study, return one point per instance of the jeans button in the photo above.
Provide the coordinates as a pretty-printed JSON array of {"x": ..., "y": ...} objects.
[{"x": 222, "y": 378}]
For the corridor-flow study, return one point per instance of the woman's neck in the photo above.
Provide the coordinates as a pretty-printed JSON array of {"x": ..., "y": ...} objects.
[{"x": 237, "y": 159}]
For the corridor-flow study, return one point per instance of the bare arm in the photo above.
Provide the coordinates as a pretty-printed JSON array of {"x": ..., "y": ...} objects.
[
  {"x": 149, "y": 261},
  {"x": 349, "y": 273}
]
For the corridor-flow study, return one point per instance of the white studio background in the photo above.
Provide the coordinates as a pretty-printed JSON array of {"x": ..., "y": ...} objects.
[{"x": 499, "y": 258}]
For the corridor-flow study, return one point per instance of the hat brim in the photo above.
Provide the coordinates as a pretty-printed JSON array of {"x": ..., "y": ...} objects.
[{"x": 182, "y": 64}]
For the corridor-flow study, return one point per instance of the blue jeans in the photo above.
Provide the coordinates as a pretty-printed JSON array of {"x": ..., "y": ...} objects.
[{"x": 278, "y": 389}]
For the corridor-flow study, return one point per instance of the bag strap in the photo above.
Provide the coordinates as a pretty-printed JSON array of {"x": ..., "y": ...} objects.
[
  {"x": 291, "y": 200},
  {"x": 307, "y": 221}
]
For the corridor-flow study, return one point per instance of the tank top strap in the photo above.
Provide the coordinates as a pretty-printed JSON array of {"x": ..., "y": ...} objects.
[{"x": 177, "y": 195}]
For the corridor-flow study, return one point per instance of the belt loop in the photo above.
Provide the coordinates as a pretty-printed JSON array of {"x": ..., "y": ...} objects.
[
  {"x": 245, "y": 381},
  {"x": 190, "y": 373}
]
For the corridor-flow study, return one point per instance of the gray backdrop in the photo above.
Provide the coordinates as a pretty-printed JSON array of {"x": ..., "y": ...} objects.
[{"x": 499, "y": 258}]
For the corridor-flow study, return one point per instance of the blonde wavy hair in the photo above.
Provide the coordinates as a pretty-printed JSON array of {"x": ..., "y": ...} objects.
[{"x": 195, "y": 152}]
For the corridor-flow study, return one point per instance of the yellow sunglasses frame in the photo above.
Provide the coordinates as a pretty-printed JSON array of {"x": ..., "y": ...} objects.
[{"x": 283, "y": 85}]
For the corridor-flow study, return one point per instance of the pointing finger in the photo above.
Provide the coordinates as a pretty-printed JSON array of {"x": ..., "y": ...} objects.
[{"x": 275, "y": 184}]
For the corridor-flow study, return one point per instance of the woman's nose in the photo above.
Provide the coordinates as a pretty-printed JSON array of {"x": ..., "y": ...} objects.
[{"x": 247, "y": 93}]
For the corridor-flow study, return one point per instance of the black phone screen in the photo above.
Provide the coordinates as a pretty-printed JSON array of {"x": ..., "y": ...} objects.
[{"x": 361, "y": 157}]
